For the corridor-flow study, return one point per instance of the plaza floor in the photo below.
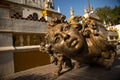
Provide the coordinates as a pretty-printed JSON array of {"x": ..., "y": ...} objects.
[{"x": 83, "y": 73}]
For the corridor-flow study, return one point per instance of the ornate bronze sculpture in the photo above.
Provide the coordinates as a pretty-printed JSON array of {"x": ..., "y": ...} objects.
[
  {"x": 59, "y": 59},
  {"x": 85, "y": 42}
]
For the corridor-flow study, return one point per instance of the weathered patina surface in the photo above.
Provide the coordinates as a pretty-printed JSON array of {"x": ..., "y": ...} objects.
[{"x": 84, "y": 42}]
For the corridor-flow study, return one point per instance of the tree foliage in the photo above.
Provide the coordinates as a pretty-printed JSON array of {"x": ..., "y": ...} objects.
[{"x": 110, "y": 15}]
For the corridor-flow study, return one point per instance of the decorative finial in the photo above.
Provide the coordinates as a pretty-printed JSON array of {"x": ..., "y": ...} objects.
[
  {"x": 71, "y": 12},
  {"x": 85, "y": 10},
  {"x": 91, "y": 8},
  {"x": 58, "y": 9},
  {"x": 46, "y": 4},
  {"x": 104, "y": 22}
]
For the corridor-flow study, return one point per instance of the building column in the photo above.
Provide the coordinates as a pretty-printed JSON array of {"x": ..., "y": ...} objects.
[{"x": 6, "y": 54}]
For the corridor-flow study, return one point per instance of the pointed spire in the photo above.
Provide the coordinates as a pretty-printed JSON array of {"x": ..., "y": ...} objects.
[
  {"x": 104, "y": 22},
  {"x": 91, "y": 8},
  {"x": 46, "y": 5},
  {"x": 71, "y": 11},
  {"x": 58, "y": 9},
  {"x": 89, "y": 5},
  {"x": 85, "y": 10}
]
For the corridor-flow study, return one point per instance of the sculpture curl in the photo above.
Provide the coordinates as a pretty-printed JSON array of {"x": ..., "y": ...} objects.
[{"x": 83, "y": 42}]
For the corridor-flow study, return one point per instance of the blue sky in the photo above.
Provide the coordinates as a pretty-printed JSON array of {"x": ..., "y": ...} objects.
[{"x": 78, "y": 5}]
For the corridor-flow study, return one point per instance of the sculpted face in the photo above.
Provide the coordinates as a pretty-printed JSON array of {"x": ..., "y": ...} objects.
[{"x": 66, "y": 39}]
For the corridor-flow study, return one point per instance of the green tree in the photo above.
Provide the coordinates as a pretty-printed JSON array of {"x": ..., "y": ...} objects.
[
  {"x": 115, "y": 15},
  {"x": 110, "y": 15}
]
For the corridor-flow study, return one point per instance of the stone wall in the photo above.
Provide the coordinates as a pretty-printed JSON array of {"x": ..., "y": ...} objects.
[
  {"x": 4, "y": 13},
  {"x": 6, "y": 54},
  {"x": 9, "y": 27},
  {"x": 23, "y": 26},
  {"x": 6, "y": 63}
]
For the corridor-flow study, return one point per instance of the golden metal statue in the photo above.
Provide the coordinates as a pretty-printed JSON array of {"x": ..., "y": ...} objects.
[{"x": 83, "y": 42}]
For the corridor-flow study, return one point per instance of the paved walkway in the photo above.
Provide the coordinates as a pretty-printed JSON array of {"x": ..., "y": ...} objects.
[
  {"x": 37, "y": 73},
  {"x": 83, "y": 73},
  {"x": 94, "y": 73}
]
